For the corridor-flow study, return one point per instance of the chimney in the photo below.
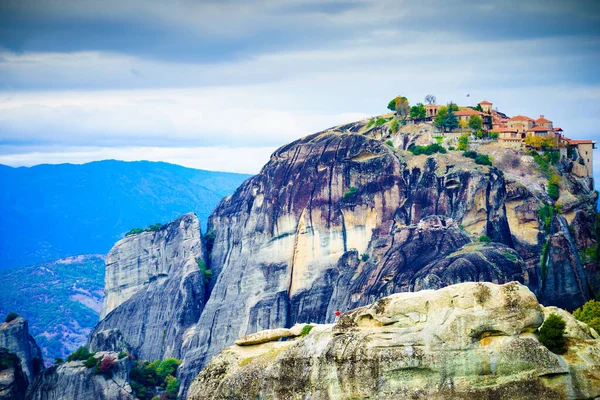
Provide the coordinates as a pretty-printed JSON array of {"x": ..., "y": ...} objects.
[{"x": 541, "y": 115}]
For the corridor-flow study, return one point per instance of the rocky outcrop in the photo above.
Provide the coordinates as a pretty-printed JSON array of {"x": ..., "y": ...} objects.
[
  {"x": 155, "y": 290},
  {"x": 471, "y": 340},
  {"x": 338, "y": 220},
  {"x": 15, "y": 338},
  {"x": 13, "y": 382},
  {"x": 550, "y": 235},
  {"x": 270, "y": 335},
  {"x": 72, "y": 380}
]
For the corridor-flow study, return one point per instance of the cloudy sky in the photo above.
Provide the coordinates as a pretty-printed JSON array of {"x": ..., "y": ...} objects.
[{"x": 220, "y": 84}]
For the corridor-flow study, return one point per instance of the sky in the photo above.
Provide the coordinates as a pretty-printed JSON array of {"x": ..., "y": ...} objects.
[{"x": 221, "y": 84}]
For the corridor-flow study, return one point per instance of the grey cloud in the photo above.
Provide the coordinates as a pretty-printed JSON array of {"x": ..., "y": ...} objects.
[{"x": 209, "y": 31}]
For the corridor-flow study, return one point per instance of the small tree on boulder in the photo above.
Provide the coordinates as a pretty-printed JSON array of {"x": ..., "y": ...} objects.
[{"x": 552, "y": 334}]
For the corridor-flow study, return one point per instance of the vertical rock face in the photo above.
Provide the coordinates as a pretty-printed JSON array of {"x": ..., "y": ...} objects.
[
  {"x": 290, "y": 241},
  {"x": 466, "y": 341},
  {"x": 13, "y": 382},
  {"x": 154, "y": 291},
  {"x": 15, "y": 338},
  {"x": 72, "y": 380},
  {"x": 139, "y": 259}
]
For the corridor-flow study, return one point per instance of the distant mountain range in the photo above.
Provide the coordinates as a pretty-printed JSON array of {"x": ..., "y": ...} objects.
[{"x": 53, "y": 211}]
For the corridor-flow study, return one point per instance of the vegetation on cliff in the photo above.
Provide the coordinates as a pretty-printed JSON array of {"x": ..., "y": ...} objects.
[
  {"x": 590, "y": 314},
  {"x": 552, "y": 334},
  {"x": 146, "y": 376},
  {"x": 151, "y": 228}
]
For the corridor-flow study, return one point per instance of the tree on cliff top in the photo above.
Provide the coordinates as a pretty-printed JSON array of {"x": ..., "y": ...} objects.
[
  {"x": 418, "y": 111},
  {"x": 451, "y": 121},
  {"x": 400, "y": 105},
  {"x": 430, "y": 99}
]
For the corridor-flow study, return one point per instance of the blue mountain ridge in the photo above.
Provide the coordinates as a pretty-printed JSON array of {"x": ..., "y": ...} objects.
[{"x": 53, "y": 211}]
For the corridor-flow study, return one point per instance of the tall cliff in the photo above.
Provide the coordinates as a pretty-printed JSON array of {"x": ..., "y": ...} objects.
[
  {"x": 15, "y": 338},
  {"x": 154, "y": 291},
  {"x": 341, "y": 218},
  {"x": 472, "y": 340}
]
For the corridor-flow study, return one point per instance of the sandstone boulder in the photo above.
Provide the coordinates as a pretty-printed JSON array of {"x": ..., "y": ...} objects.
[{"x": 470, "y": 340}]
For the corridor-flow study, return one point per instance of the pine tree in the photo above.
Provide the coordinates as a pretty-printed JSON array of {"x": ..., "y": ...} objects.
[{"x": 451, "y": 121}]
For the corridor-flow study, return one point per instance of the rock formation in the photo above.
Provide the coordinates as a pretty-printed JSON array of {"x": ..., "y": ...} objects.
[
  {"x": 340, "y": 218},
  {"x": 154, "y": 291},
  {"x": 470, "y": 340},
  {"x": 13, "y": 382},
  {"x": 72, "y": 380},
  {"x": 15, "y": 338}
]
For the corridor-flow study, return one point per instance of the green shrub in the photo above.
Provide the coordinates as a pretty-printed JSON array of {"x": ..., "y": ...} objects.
[
  {"x": 80, "y": 354},
  {"x": 58, "y": 361},
  {"x": 510, "y": 256},
  {"x": 11, "y": 317},
  {"x": 590, "y": 314},
  {"x": 370, "y": 124},
  {"x": 390, "y": 143},
  {"x": 494, "y": 135},
  {"x": 364, "y": 257},
  {"x": 305, "y": 330},
  {"x": 546, "y": 213},
  {"x": 427, "y": 150},
  {"x": 483, "y": 159},
  {"x": 151, "y": 228},
  {"x": 451, "y": 148},
  {"x": 484, "y": 239},
  {"x": 167, "y": 367},
  {"x": 91, "y": 362},
  {"x": 463, "y": 142},
  {"x": 552, "y": 333},
  {"x": 350, "y": 193},
  {"x": 145, "y": 376},
  {"x": 172, "y": 385},
  {"x": 470, "y": 154},
  {"x": 122, "y": 355},
  {"x": 380, "y": 121},
  {"x": 394, "y": 125},
  {"x": 206, "y": 273},
  {"x": 553, "y": 191}
]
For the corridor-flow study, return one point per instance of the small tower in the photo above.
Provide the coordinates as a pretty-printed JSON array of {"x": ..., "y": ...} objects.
[{"x": 486, "y": 106}]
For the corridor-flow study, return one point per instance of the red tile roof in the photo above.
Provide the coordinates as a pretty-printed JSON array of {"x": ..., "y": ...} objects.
[
  {"x": 542, "y": 120},
  {"x": 540, "y": 129},
  {"x": 467, "y": 112},
  {"x": 521, "y": 118},
  {"x": 485, "y": 102},
  {"x": 558, "y": 130},
  {"x": 580, "y": 141}
]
